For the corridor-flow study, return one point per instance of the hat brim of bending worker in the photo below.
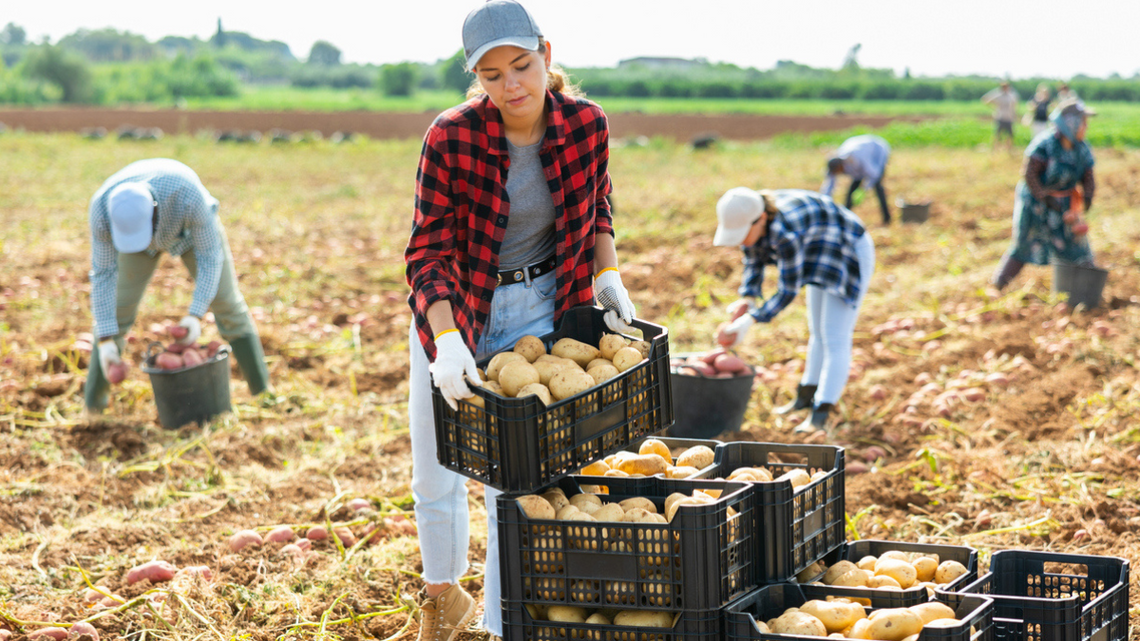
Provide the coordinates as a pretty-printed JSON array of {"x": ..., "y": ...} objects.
[{"x": 149, "y": 208}]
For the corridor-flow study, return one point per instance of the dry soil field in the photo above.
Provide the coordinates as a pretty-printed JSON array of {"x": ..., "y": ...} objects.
[{"x": 1045, "y": 457}]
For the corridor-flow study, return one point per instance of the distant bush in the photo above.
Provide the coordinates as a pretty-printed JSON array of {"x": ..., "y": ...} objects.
[
  {"x": 64, "y": 69},
  {"x": 398, "y": 79}
]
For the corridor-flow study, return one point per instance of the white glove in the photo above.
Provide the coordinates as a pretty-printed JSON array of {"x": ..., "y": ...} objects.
[
  {"x": 193, "y": 329},
  {"x": 735, "y": 331},
  {"x": 108, "y": 355},
  {"x": 452, "y": 361},
  {"x": 612, "y": 295}
]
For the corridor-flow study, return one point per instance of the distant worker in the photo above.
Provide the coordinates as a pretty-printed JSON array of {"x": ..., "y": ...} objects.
[
  {"x": 1037, "y": 114},
  {"x": 1057, "y": 184},
  {"x": 814, "y": 244},
  {"x": 1065, "y": 93},
  {"x": 1004, "y": 99},
  {"x": 145, "y": 209},
  {"x": 864, "y": 158}
]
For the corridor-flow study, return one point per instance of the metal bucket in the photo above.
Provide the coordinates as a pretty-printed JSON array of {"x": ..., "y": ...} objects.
[
  {"x": 705, "y": 407},
  {"x": 1084, "y": 285},
  {"x": 191, "y": 394},
  {"x": 913, "y": 212}
]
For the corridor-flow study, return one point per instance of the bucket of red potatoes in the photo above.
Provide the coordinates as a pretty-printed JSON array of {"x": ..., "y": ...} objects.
[
  {"x": 191, "y": 383},
  {"x": 711, "y": 391}
]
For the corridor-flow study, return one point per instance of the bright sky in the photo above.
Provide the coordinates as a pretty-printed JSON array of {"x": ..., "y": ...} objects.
[{"x": 1020, "y": 38}]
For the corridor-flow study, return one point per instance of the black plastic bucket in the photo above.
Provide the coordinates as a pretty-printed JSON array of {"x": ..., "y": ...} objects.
[
  {"x": 913, "y": 212},
  {"x": 706, "y": 407},
  {"x": 1084, "y": 285},
  {"x": 191, "y": 394}
]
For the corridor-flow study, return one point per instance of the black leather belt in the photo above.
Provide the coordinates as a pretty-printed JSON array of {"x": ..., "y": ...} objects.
[{"x": 513, "y": 276}]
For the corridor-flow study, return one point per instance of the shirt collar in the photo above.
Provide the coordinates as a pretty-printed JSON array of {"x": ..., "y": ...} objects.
[{"x": 497, "y": 139}]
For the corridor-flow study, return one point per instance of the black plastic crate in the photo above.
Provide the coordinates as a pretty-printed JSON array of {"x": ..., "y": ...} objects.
[
  {"x": 1075, "y": 597},
  {"x": 770, "y": 601},
  {"x": 701, "y": 560},
  {"x": 856, "y": 550},
  {"x": 518, "y": 625},
  {"x": 518, "y": 445},
  {"x": 798, "y": 527}
]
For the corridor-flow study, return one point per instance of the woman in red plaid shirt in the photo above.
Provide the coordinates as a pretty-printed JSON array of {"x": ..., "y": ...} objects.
[{"x": 512, "y": 229}]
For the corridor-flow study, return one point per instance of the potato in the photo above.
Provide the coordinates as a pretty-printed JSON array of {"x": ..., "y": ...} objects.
[
  {"x": 498, "y": 361},
  {"x": 883, "y": 581},
  {"x": 536, "y": 389},
  {"x": 853, "y": 579},
  {"x": 613, "y": 460},
  {"x": 242, "y": 538},
  {"x": 166, "y": 360},
  {"x": 858, "y": 630},
  {"x": 569, "y": 382},
  {"x": 673, "y": 498},
  {"x": 586, "y": 502},
  {"x": 610, "y": 344},
  {"x": 280, "y": 534},
  {"x": 867, "y": 563},
  {"x": 565, "y": 513},
  {"x": 582, "y": 516},
  {"x": 602, "y": 373},
  {"x": 494, "y": 388},
  {"x": 643, "y": 347},
  {"x": 515, "y": 375},
  {"x": 158, "y": 571},
  {"x": 895, "y": 554},
  {"x": 638, "y": 501},
  {"x": 598, "y": 618},
  {"x": 615, "y": 473},
  {"x": 557, "y": 500},
  {"x": 638, "y": 515},
  {"x": 535, "y": 507},
  {"x": 835, "y": 615},
  {"x": 118, "y": 371},
  {"x": 698, "y": 456},
  {"x": 810, "y": 572},
  {"x": 609, "y": 512},
  {"x": 597, "y": 361},
  {"x": 626, "y": 358},
  {"x": 692, "y": 500},
  {"x": 835, "y": 571},
  {"x": 647, "y": 464},
  {"x": 577, "y": 351},
  {"x": 53, "y": 632},
  {"x": 317, "y": 533},
  {"x": 644, "y": 619},
  {"x": 798, "y": 477},
  {"x": 83, "y": 630},
  {"x": 898, "y": 570},
  {"x": 530, "y": 347},
  {"x": 566, "y": 614},
  {"x": 948, "y": 571},
  {"x": 547, "y": 369},
  {"x": 893, "y": 624},
  {"x": 192, "y": 358},
  {"x": 597, "y": 468},
  {"x": 799, "y": 624},
  {"x": 682, "y": 472},
  {"x": 925, "y": 567},
  {"x": 932, "y": 611},
  {"x": 537, "y": 611}
]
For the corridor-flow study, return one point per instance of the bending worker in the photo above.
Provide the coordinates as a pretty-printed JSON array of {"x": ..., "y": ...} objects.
[
  {"x": 864, "y": 158},
  {"x": 147, "y": 208}
]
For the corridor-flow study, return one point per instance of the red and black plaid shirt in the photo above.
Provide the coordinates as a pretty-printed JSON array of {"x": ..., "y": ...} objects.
[{"x": 462, "y": 208}]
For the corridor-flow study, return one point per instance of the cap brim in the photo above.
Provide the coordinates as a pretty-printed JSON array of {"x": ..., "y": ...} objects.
[
  {"x": 725, "y": 237},
  {"x": 132, "y": 243},
  {"x": 530, "y": 43}
]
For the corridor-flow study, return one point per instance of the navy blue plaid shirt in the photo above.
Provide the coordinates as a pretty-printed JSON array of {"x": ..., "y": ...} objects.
[{"x": 812, "y": 242}]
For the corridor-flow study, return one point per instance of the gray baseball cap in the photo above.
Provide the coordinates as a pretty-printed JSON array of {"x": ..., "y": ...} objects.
[{"x": 498, "y": 23}]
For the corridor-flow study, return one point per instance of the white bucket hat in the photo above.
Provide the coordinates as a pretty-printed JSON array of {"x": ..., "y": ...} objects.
[
  {"x": 736, "y": 210},
  {"x": 132, "y": 217}
]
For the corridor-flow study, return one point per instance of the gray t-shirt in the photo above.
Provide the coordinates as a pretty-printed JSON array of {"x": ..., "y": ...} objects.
[{"x": 530, "y": 226}]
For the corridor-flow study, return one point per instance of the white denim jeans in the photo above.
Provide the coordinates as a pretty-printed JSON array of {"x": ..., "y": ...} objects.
[
  {"x": 441, "y": 495},
  {"x": 831, "y": 325}
]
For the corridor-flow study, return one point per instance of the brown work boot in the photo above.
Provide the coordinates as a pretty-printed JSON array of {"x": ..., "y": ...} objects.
[{"x": 446, "y": 614}]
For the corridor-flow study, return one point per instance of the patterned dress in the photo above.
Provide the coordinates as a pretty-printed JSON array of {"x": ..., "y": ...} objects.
[{"x": 1040, "y": 234}]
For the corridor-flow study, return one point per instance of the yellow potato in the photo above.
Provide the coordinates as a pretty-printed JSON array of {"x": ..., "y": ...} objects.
[
  {"x": 798, "y": 477},
  {"x": 597, "y": 361},
  {"x": 883, "y": 581},
  {"x": 839, "y": 569},
  {"x": 566, "y": 614},
  {"x": 644, "y": 619},
  {"x": 810, "y": 572},
  {"x": 536, "y": 389},
  {"x": 638, "y": 501},
  {"x": 627, "y": 357},
  {"x": 925, "y": 567},
  {"x": 948, "y": 571},
  {"x": 531, "y": 347},
  {"x": 895, "y": 554},
  {"x": 597, "y": 468},
  {"x": 602, "y": 373},
  {"x": 643, "y": 347},
  {"x": 499, "y": 360},
  {"x": 691, "y": 500},
  {"x": 568, "y": 382},
  {"x": 535, "y": 507},
  {"x": 680, "y": 472},
  {"x": 932, "y": 611},
  {"x": 698, "y": 456},
  {"x": 586, "y": 502},
  {"x": 557, "y": 500},
  {"x": 894, "y": 624},
  {"x": 577, "y": 351},
  {"x": 598, "y": 618},
  {"x": 647, "y": 464},
  {"x": 515, "y": 375},
  {"x": 798, "y": 623},
  {"x": 537, "y": 611},
  {"x": 582, "y": 516},
  {"x": 547, "y": 369},
  {"x": 610, "y": 344},
  {"x": 858, "y": 630},
  {"x": 673, "y": 498},
  {"x": 655, "y": 446},
  {"x": 615, "y": 473},
  {"x": 853, "y": 579},
  {"x": 835, "y": 615},
  {"x": 638, "y": 515},
  {"x": 494, "y": 388},
  {"x": 566, "y": 512},
  {"x": 867, "y": 563},
  {"x": 609, "y": 512},
  {"x": 897, "y": 569}
]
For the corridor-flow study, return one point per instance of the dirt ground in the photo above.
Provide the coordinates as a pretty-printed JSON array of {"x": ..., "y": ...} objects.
[
  {"x": 409, "y": 125},
  {"x": 997, "y": 422}
]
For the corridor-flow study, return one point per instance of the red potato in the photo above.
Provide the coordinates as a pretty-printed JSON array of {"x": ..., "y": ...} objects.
[
  {"x": 49, "y": 633},
  {"x": 974, "y": 394},
  {"x": 345, "y": 535},
  {"x": 91, "y": 595},
  {"x": 874, "y": 453},
  {"x": 729, "y": 363},
  {"x": 400, "y": 525},
  {"x": 166, "y": 360},
  {"x": 317, "y": 533},
  {"x": 877, "y": 392},
  {"x": 293, "y": 550},
  {"x": 701, "y": 368},
  {"x": 280, "y": 534},
  {"x": 688, "y": 371},
  {"x": 737, "y": 309},
  {"x": 998, "y": 379},
  {"x": 709, "y": 357},
  {"x": 203, "y": 571},
  {"x": 359, "y": 504},
  {"x": 855, "y": 467},
  {"x": 154, "y": 571},
  {"x": 212, "y": 348},
  {"x": 1080, "y": 229},
  {"x": 5, "y": 634},
  {"x": 177, "y": 348},
  {"x": 243, "y": 538},
  {"x": 83, "y": 631},
  {"x": 178, "y": 331},
  {"x": 191, "y": 358},
  {"x": 117, "y": 372},
  {"x": 304, "y": 544}
]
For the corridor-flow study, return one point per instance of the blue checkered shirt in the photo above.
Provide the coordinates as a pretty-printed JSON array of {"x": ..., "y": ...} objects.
[
  {"x": 864, "y": 158},
  {"x": 187, "y": 219},
  {"x": 812, "y": 242}
]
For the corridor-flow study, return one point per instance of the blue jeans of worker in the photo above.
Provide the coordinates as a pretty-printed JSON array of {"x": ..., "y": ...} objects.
[
  {"x": 831, "y": 325},
  {"x": 441, "y": 495}
]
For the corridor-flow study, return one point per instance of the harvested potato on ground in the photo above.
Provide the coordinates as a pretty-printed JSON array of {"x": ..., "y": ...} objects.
[
  {"x": 893, "y": 624},
  {"x": 798, "y": 623},
  {"x": 577, "y": 351},
  {"x": 499, "y": 360},
  {"x": 644, "y": 619},
  {"x": 568, "y": 382},
  {"x": 932, "y": 611},
  {"x": 535, "y": 507},
  {"x": 156, "y": 571},
  {"x": 530, "y": 347},
  {"x": 698, "y": 456},
  {"x": 655, "y": 446},
  {"x": 627, "y": 357},
  {"x": 536, "y": 389},
  {"x": 948, "y": 571},
  {"x": 610, "y": 344},
  {"x": 646, "y": 464},
  {"x": 242, "y": 538}
]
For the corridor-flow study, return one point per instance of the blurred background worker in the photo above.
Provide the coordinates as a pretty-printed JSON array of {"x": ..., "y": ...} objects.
[
  {"x": 814, "y": 243},
  {"x": 1057, "y": 184},
  {"x": 1004, "y": 100},
  {"x": 1037, "y": 110},
  {"x": 147, "y": 208},
  {"x": 864, "y": 159}
]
